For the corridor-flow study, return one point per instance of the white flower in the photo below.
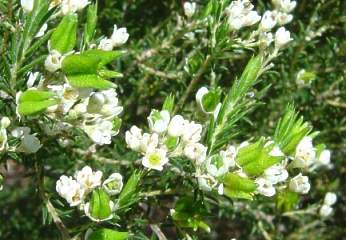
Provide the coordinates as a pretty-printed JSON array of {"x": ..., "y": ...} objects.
[
  {"x": 155, "y": 159},
  {"x": 105, "y": 103},
  {"x": 88, "y": 179},
  {"x": 324, "y": 158},
  {"x": 70, "y": 189},
  {"x": 325, "y": 211},
  {"x": 149, "y": 142},
  {"x": 282, "y": 37},
  {"x": 276, "y": 152},
  {"x": 330, "y": 199},
  {"x": 196, "y": 152},
  {"x": 158, "y": 121},
  {"x": 113, "y": 184},
  {"x": 207, "y": 183},
  {"x": 219, "y": 165},
  {"x": 189, "y": 9},
  {"x": 119, "y": 36},
  {"x": 68, "y": 97},
  {"x": 29, "y": 142},
  {"x": 133, "y": 138},
  {"x": 27, "y": 5},
  {"x": 285, "y": 5},
  {"x": 305, "y": 154},
  {"x": 53, "y": 61},
  {"x": 268, "y": 21},
  {"x": 5, "y": 122},
  {"x": 283, "y": 18},
  {"x": 106, "y": 44},
  {"x": 176, "y": 126},
  {"x": 88, "y": 214},
  {"x": 42, "y": 30},
  {"x": 275, "y": 174},
  {"x": 72, "y": 6},
  {"x": 192, "y": 132},
  {"x": 240, "y": 14},
  {"x": 265, "y": 187},
  {"x": 100, "y": 132},
  {"x": 300, "y": 184}
]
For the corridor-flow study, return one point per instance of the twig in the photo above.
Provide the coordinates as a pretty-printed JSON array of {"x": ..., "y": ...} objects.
[
  {"x": 158, "y": 73},
  {"x": 156, "y": 229},
  {"x": 101, "y": 159},
  {"x": 56, "y": 219}
]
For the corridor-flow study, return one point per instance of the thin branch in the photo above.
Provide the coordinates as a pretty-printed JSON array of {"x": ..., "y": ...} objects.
[{"x": 156, "y": 229}]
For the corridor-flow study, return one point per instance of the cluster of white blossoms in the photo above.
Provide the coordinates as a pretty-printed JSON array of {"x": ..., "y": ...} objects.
[
  {"x": 241, "y": 14},
  {"x": 168, "y": 137},
  {"x": 66, "y": 6},
  {"x": 76, "y": 190},
  {"x": 118, "y": 38},
  {"x": 95, "y": 112},
  {"x": 329, "y": 200}
]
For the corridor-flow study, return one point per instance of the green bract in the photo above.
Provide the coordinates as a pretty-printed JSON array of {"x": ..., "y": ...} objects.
[
  {"x": 238, "y": 187},
  {"x": 34, "y": 101},
  {"x": 99, "y": 207},
  {"x": 64, "y": 37}
]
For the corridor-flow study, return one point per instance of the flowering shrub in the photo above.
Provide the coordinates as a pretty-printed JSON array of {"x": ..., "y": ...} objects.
[{"x": 74, "y": 135}]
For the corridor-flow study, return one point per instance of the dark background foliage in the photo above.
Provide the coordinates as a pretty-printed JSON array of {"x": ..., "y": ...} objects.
[{"x": 146, "y": 83}]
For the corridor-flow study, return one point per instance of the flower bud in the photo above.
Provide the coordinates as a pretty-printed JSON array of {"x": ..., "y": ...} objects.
[
  {"x": 330, "y": 199},
  {"x": 189, "y": 9},
  {"x": 119, "y": 36},
  {"x": 5, "y": 122}
]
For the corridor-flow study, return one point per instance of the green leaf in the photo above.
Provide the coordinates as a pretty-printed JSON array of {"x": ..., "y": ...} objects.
[
  {"x": 90, "y": 25},
  {"x": 105, "y": 56},
  {"x": 286, "y": 201},
  {"x": 110, "y": 74},
  {"x": 234, "y": 107},
  {"x": 35, "y": 95},
  {"x": 108, "y": 234},
  {"x": 65, "y": 35},
  {"x": 30, "y": 108},
  {"x": 89, "y": 81},
  {"x": 129, "y": 192},
  {"x": 256, "y": 158},
  {"x": 99, "y": 205},
  {"x": 290, "y": 130},
  {"x": 168, "y": 104},
  {"x": 236, "y": 186},
  {"x": 80, "y": 64}
]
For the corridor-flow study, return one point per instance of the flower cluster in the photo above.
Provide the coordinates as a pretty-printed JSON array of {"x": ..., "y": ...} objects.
[
  {"x": 168, "y": 137},
  {"x": 241, "y": 14},
  {"x": 66, "y": 6},
  {"x": 326, "y": 208},
  {"x": 76, "y": 190},
  {"x": 118, "y": 38},
  {"x": 95, "y": 112}
]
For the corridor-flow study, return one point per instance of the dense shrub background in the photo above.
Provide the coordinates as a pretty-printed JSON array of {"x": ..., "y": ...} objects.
[{"x": 152, "y": 25}]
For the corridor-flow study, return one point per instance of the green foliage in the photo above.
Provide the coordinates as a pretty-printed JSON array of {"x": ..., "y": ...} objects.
[
  {"x": 234, "y": 107},
  {"x": 236, "y": 186},
  {"x": 129, "y": 193},
  {"x": 90, "y": 25},
  {"x": 188, "y": 213},
  {"x": 34, "y": 101},
  {"x": 290, "y": 130},
  {"x": 255, "y": 158},
  {"x": 99, "y": 207},
  {"x": 107, "y": 234},
  {"x": 64, "y": 37}
]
